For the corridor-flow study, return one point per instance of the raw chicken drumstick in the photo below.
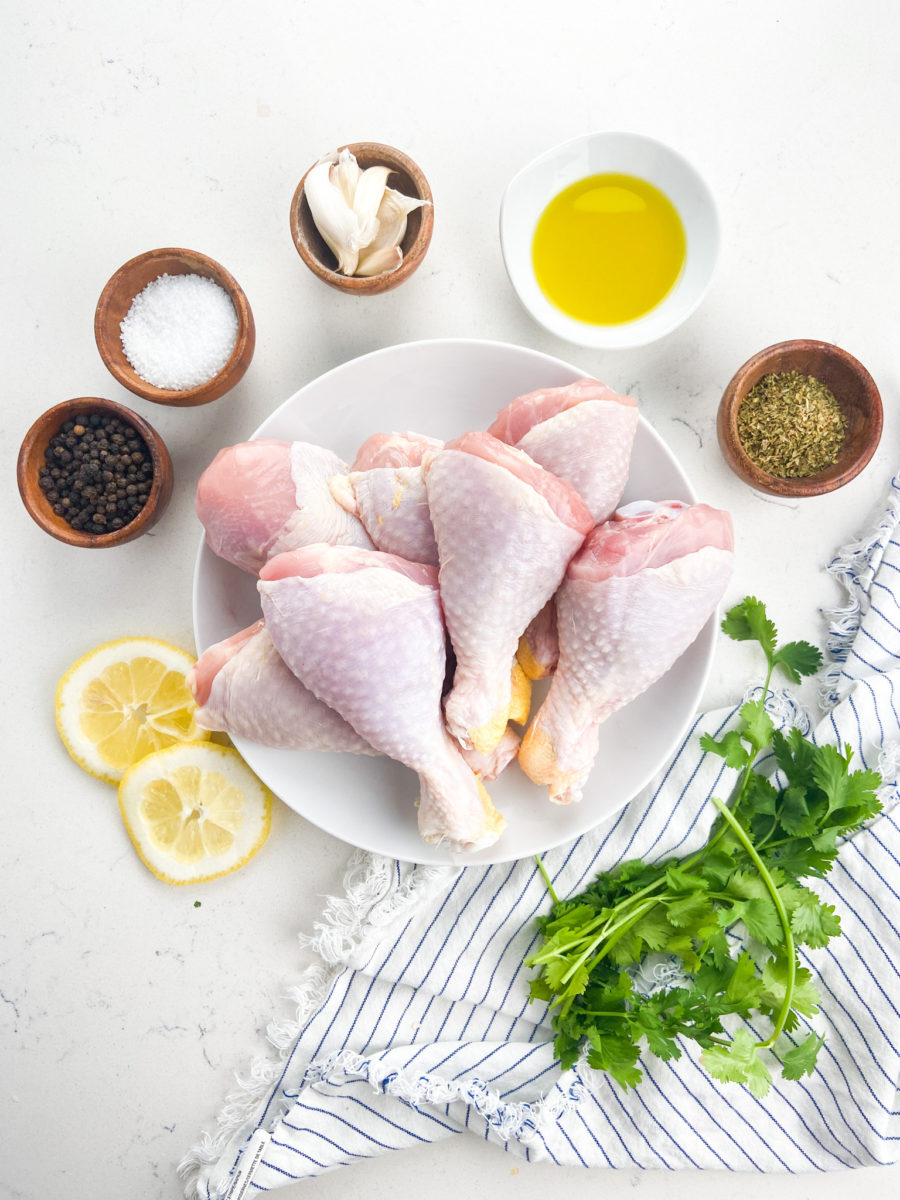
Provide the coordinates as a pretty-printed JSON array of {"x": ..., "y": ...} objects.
[
  {"x": 505, "y": 530},
  {"x": 584, "y": 433},
  {"x": 633, "y": 600},
  {"x": 363, "y": 631},
  {"x": 260, "y": 498},
  {"x": 242, "y": 687}
]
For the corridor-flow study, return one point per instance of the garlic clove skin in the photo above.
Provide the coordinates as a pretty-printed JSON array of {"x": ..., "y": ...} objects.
[
  {"x": 379, "y": 262},
  {"x": 335, "y": 220}
]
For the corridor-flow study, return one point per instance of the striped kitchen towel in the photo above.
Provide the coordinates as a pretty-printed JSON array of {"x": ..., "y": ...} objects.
[{"x": 415, "y": 1023}]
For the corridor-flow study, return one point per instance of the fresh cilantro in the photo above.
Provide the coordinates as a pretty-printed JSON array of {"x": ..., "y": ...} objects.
[{"x": 745, "y": 883}]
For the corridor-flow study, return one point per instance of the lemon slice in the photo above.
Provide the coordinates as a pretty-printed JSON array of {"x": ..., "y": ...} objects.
[
  {"x": 194, "y": 811},
  {"x": 124, "y": 700}
]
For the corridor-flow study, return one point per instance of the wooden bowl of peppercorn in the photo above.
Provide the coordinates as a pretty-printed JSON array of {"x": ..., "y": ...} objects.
[
  {"x": 93, "y": 473},
  {"x": 799, "y": 418}
]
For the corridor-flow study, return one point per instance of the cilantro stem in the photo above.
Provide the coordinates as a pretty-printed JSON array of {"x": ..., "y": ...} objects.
[
  {"x": 547, "y": 880},
  {"x": 616, "y": 932},
  {"x": 740, "y": 787},
  {"x": 782, "y": 916}
]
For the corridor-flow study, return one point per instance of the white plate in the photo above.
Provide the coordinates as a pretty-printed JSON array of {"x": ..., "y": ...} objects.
[
  {"x": 529, "y": 193},
  {"x": 444, "y": 388}
]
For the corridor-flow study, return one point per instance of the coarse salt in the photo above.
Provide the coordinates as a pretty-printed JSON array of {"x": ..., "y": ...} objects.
[{"x": 180, "y": 331}]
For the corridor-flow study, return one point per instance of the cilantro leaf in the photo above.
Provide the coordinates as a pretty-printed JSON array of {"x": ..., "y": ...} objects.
[
  {"x": 801, "y": 1059},
  {"x": 540, "y": 989},
  {"x": 813, "y": 923},
  {"x": 797, "y": 659},
  {"x": 748, "y": 622},
  {"x": 853, "y": 792},
  {"x": 615, "y": 1054},
  {"x": 689, "y": 910},
  {"x": 730, "y": 747},
  {"x": 794, "y": 812},
  {"x": 761, "y": 919},
  {"x": 744, "y": 986},
  {"x": 758, "y": 725},
  {"x": 739, "y": 1062},
  {"x": 804, "y": 996}
]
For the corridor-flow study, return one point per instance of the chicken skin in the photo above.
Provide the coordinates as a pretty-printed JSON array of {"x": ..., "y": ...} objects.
[
  {"x": 582, "y": 432},
  {"x": 242, "y": 687},
  {"x": 634, "y": 598},
  {"x": 505, "y": 530}
]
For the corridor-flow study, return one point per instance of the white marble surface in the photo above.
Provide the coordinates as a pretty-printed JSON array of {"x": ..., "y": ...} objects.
[{"x": 125, "y": 1009}]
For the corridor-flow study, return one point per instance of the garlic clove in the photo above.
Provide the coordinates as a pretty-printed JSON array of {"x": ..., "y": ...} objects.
[
  {"x": 345, "y": 175},
  {"x": 392, "y": 213},
  {"x": 379, "y": 262},
  {"x": 335, "y": 219},
  {"x": 367, "y": 198}
]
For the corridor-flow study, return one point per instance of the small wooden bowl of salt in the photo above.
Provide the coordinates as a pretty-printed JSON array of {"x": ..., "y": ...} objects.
[{"x": 173, "y": 326}]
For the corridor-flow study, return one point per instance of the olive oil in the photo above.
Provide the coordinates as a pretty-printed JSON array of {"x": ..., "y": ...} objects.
[{"x": 608, "y": 249}]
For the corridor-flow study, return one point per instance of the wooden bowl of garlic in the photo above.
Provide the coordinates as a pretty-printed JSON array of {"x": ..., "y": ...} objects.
[{"x": 362, "y": 217}]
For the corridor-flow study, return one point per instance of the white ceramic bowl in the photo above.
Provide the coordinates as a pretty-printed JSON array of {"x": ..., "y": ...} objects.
[{"x": 529, "y": 193}]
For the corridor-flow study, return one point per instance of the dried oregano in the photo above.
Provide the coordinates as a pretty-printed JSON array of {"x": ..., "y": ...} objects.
[{"x": 791, "y": 425}]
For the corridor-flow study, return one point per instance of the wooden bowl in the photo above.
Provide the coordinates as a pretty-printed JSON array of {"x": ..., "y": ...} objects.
[
  {"x": 853, "y": 388},
  {"x": 32, "y": 458},
  {"x": 406, "y": 177},
  {"x": 115, "y": 301}
]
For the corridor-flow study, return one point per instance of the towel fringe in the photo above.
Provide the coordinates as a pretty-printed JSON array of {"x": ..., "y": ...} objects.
[
  {"x": 374, "y": 896},
  {"x": 857, "y": 558},
  {"x": 520, "y": 1121},
  {"x": 240, "y": 1112},
  {"x": 782, "y": 707}
]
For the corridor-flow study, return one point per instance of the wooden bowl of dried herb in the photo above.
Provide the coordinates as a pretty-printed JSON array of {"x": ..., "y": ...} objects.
[{"x": 800, "y": 418}]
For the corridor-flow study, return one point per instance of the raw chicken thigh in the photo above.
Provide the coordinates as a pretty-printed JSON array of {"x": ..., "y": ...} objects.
[
  {"x": 363, "y": 631},
  {"x": 505, "y": 530},
  {"x": 261, "y": 498},
  {"x": 319, "y": 518},
  {"x": 244, "y": 497},
  {"x": 582, "y": 432},
  {"x": 242, "y": 687},
  {"x": 634, "y": 598}
]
